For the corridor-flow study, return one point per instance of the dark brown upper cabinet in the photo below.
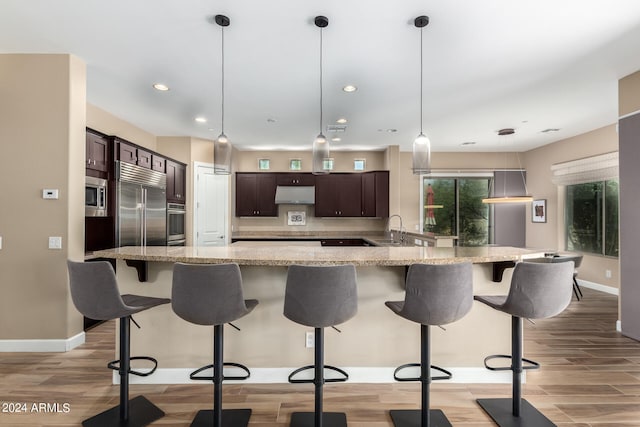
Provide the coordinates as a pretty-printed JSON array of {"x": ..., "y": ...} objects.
[
  {"x": 256, "y": 194},
  {"x": 97, "y": 152},
  {"x": 144, "y": 158},
  {"x": 375, "y": 194},
  {"x": 338, "y": 195},
  {"x": 294, "y": 179},
  {"x": 157, "y": 163},
  {"x": 176, "y": 181},
  {"x": 127, "y": 152}
]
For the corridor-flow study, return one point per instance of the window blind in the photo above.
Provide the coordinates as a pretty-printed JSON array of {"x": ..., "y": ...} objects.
[{"x": 590, "y": 169}]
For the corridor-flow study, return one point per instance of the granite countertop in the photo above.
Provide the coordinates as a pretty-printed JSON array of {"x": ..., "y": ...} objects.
[{"x": 286, "y": 255}]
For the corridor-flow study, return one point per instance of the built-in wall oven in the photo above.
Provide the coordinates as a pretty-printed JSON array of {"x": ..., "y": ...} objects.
[
  {"x": 175, "y": 224},
  {"x": 95, "y": 196}
]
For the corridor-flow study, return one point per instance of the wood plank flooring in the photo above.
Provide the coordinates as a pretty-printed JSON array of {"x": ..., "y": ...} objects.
[{"x": 590, "y": 376}]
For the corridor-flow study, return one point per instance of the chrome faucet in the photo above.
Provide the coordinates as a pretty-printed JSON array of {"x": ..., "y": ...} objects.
[{"x": 389, "y": 227}]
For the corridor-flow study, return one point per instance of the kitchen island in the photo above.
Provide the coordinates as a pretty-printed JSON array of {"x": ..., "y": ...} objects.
[{"x": 370, "y": 345}]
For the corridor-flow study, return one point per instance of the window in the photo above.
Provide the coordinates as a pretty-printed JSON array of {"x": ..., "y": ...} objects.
[
  {"x": 591, "y": 217},
  {"x": 453, "y": 206}
]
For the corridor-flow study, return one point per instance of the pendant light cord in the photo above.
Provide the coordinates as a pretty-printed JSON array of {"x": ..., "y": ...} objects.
[
  {"x": 320, "y": 80},
  {"x": 222, "y": 81},
  {"x": 421, "y": 72}
]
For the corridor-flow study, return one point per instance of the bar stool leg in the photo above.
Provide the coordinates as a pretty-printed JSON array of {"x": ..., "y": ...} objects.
[
  {"x": 516, "y": 411},
  {"x": 219, "y": 417},
  {"x": 318, "y": 418},
  {"x": 424, "y": 417},
  {"x": 137, "y": 412}
]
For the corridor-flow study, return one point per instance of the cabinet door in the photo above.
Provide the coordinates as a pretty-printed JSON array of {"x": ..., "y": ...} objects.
[
  {"x": 266, "y": 195},
  {"x": 176, "y": 186},
  {"x": 97, "y": 154},
  {"x": 157, "y": 163},
  {"x": 294, "y": 179},
  {"x": 246, "y": 194},
  {"x": 349, "y": 194},
  {"x": 127, "y": 153},
  {"x": 375, "y": 194},
  {"x": 144, "y": 159},
  {"x": 326, "y": 197}
]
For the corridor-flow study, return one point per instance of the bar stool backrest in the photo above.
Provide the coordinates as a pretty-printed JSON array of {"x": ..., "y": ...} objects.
[
  {"x": 438, "y": 294},
  {"x": 94, "y": 291},
  {"x": 208, "y": 294},
  {"x": 321, "y": 296},
  {"x": 577, "y": 259},
  {"x": 539, "y": 290}
]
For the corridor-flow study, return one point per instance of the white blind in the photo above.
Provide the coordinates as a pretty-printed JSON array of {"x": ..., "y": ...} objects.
[{"x": 590, "y": 169}]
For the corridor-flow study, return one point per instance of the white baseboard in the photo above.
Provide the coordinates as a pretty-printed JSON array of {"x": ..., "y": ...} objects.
[
  {"x": 31, "y": 346},
  {"x": 598, "y": 287},
  {"x": 356, "y": 375}
]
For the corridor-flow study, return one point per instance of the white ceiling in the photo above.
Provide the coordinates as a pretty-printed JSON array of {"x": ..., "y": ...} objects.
[{"x": 488, "y": 64}]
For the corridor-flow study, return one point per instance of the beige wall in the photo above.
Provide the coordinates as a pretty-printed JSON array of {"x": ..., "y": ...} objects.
[
  {"x": 42, "y": 145},
  {"x": 109, "y": 124},
  {"x": 550, "y": 235},
  {"x": 247, "y": 161},
  {"x": 629, "y": 94}
]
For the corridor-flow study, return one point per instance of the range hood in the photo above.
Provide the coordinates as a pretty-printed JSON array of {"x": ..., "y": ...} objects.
[{"x": 295, "y": 195}]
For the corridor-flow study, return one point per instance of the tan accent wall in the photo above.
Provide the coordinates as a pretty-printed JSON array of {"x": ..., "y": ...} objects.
[
  {"x": 629, "y": 94},
  {"x": 42, "y": 145},
  {"x": 109, "y": 124},
  {"x": 550, "y": 235},
  {"x": 247, "y": 161}
]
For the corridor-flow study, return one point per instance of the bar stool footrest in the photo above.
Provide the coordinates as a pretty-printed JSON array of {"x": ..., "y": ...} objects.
[
  {"x": 530, "y": 363},
  {"x": 344, "y": 377},
  {"x": 307, "y": 419},
  {"x": 501, "y": 411},
  {"x": 115, "y": 365},
  {"x": 194, "y": 375},
  {"x": 230, "y": 417},
  {"x": 412, "y": 417},
  {"x": 141, "y": 413},
  {"x": 447, "y": 375}
]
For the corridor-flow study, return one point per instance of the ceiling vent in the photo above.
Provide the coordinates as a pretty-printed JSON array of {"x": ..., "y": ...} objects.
[{"x": 336, "y": 128}]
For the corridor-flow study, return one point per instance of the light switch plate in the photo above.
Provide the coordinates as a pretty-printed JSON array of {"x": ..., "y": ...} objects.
[
  {"x": 55, "y": 242},
  {"x": 0, "y": 242},
  {"x": 50, "y": 194}
]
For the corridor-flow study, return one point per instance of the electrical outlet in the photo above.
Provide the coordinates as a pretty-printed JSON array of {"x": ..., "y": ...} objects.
[
  {"x": 309, "y": 340},
  {"x": 607, "y": 274},
  {"x": 55, "y": 242}
]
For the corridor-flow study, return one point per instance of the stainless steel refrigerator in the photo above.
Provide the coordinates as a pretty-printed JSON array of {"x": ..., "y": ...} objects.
[{"x": 141, "y": 197}]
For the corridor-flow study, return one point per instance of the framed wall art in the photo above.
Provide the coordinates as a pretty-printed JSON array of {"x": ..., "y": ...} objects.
[{"x": 539, "y": 210}]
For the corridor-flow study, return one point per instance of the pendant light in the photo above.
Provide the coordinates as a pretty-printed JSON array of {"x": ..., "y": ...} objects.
[
  {"x": 222, "y": 147},
  {"x": 526, "y": 198},
  {"x": 422, "y": 144},
  {"x": 320, "y": 144}
]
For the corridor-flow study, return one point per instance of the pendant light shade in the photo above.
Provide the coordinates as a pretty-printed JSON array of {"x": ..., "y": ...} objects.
[
  {"x": 320, "y": 144},
  {"x": 504, "y": 198},
  {"x": 422, "y": 144},
  {"x": 222, "y": 147}
]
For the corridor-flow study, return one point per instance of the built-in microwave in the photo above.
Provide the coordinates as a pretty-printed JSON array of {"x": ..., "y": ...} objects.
[
  {"x": 175, "y": 224},
  {"x": 95, "y": 197}
]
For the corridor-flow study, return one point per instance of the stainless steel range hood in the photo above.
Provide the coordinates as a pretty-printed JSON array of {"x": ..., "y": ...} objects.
[{"x": 295, "y": 195}]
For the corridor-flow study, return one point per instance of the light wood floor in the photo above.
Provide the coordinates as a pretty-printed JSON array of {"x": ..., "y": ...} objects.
[{"x": 590, "y": 376}]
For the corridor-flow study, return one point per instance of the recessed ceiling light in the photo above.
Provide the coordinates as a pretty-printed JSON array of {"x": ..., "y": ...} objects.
[
  {"x": 469, "y": 143},
  {"x": 161, "y": 87},
  {"x": 201, "y": 120},
  {"x": 341, "y": 120},
  {"x": 390, "y": 130},
  {"x": 349, "y": 88},
  {"x": 336, "y": 139},
  {"x": 550, "y": 130}
]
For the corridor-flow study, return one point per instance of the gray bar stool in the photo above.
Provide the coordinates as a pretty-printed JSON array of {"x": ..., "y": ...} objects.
[
  {"x": 94, "y": 291},
  {"x": 211, "y": 295},
  {"x": 435, "y": 295},
  {"x": 319, "y": 297},
  {"x": 576, "y": 259},
  {"x": 537, "y": 291}
]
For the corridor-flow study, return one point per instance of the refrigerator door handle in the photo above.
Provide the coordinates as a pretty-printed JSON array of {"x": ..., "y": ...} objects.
[{"x": 143, "y": 213}]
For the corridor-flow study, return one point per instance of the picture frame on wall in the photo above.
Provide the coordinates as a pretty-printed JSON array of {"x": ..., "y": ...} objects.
[{"x": 539, "y": 210}]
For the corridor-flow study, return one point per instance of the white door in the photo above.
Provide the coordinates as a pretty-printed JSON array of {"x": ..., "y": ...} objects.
[{"x": 210, "y": 206}]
